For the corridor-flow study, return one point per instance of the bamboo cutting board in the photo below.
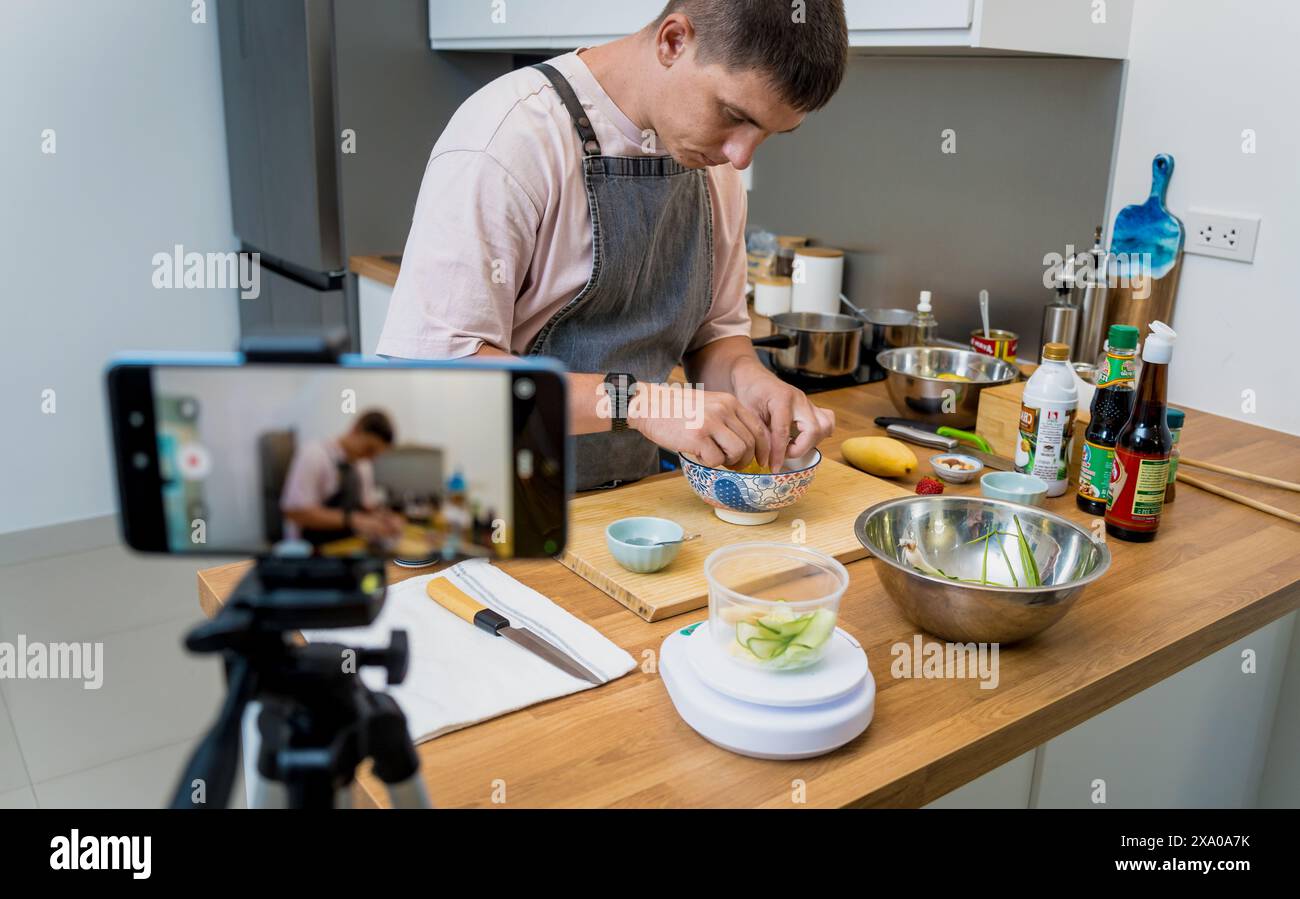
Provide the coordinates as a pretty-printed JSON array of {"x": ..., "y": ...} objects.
[{"x": 823, "y": 517}]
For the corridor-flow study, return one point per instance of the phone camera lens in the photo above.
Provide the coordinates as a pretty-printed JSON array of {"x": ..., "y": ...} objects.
[
  {"x": 140, "y": 461},
  {"x": 135, "y": 419},
  {"x": 525, "y": 388}
]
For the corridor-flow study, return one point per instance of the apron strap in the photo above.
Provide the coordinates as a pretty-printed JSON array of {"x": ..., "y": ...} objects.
[{"x": 590, "y": 145}]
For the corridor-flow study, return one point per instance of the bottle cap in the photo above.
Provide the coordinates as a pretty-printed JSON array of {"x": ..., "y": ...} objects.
[
  {"x": 1056, "y": 352},
  {"x": 924, "y": 304},
  {"x": 1174, "y": 418},
  {"x": 1122, "y": 337},
  {"x": 1159, "y": 347}
]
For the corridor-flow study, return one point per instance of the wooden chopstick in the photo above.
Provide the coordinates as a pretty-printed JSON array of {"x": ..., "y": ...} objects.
[
  {"x": 1237, "y": 473},
  {"x": 1236, "y": 497}
]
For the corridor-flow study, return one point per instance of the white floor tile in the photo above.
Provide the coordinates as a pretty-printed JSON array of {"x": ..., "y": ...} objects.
[
  {"x": 13, "y": 773},
  {"x": 87, "y": 594},
  {"x": 154, "y": 694},
  {"x": 146, "y": 780},
  {"x": 23, "y": 798}
]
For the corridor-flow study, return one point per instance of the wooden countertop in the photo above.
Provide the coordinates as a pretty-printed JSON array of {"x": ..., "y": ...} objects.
[
  {"x": 1216, "y": 572},
  {"x": 377, "y": 268}
]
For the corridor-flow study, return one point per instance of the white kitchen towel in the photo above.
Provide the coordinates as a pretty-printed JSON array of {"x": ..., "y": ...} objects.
[{"x": 459, "y": 674}]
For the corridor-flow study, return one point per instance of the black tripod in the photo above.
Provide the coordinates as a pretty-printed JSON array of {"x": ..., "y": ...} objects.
[{"x": 317, "y": 719}]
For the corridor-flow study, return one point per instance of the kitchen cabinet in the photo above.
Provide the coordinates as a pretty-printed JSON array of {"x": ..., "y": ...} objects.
[
  {"x": 373, "y": 298},
  {"x": 1197, "y": 739},
  {"x": 1006, "y": 786},
  {"x": 1097, "y": 28},
  {"x": 375, "y": 276}
]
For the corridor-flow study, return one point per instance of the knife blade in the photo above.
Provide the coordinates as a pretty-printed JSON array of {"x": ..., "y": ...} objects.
[
  {"x": 963, "y": 436},
  {"x": 926, "y": 438},
  {"x": 467, "y": 608}
]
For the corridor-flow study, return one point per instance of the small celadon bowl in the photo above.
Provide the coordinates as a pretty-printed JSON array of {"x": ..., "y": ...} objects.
[
  {"x": 621, "y": 537},
  {"x": 1026, "y": 489}
]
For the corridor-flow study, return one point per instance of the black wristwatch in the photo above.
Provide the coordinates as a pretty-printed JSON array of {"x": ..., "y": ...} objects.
[{"x": 620, "y": 387}]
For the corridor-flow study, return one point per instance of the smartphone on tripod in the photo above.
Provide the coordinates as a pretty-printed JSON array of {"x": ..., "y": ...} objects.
[
  {"x": 322, "y": 466},
  {"x": 364, "y": 457}
]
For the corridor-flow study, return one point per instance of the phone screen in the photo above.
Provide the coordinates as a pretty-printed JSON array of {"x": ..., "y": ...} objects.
[{"x": 329, "y": 460}]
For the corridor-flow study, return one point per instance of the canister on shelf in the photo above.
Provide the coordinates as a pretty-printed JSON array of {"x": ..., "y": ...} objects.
[
  {"x": 818, "y": 277},
  {"x": 771, "y": 295}
]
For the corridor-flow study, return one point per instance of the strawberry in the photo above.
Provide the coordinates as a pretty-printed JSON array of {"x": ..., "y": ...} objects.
[{"x": 929, "y": 486}]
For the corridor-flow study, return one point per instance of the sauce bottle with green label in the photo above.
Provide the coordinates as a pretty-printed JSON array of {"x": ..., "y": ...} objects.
[
  {"x": 1111, "y": 405},
  {"x": 1140, "y": 469}
]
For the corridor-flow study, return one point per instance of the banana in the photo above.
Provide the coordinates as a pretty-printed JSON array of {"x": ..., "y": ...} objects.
[{"x": 881, "y": 456}]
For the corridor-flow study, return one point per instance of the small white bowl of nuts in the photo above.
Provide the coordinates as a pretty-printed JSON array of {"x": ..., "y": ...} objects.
[{"x": 956, "y": 468}]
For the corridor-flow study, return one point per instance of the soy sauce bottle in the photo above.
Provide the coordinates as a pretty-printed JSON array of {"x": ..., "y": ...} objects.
[
  {"x": 1111, "y": 406},
  {"x": 1140, "y": 470}
]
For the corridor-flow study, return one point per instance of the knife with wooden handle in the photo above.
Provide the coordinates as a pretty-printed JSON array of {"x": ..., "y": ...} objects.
[{"x": 469, "y": 609}]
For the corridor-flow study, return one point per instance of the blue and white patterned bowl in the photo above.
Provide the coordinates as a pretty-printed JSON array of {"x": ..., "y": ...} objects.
[{"x": 751, "y": 498}]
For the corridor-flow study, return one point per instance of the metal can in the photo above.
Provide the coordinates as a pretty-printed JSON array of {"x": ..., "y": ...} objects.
[{"x": 999, "y": 344}]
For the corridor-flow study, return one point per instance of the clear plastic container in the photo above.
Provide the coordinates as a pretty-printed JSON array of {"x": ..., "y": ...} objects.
[{"x": 773, "y": 605}]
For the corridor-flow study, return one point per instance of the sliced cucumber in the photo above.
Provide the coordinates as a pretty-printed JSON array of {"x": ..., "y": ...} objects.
[
  {"x": 785, "y": 629},
  {"x": 818, "y": 629},
  {"x": 795, "y": 656},
  {"x": 747, "y": 630},
  {"x": 766, "y": 649}
]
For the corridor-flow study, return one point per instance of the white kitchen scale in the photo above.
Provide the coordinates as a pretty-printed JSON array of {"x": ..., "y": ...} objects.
[{"x": 768, "y": 714}]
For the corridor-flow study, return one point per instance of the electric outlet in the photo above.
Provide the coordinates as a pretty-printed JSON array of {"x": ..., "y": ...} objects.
[{"x": 1221, "y": 234}]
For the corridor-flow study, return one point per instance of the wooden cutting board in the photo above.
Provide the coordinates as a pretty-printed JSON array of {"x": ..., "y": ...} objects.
[{"x": 823, "y": 518}]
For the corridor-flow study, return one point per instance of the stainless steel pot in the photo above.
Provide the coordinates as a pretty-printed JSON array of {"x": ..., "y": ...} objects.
[{"x": 813, "y": 344}]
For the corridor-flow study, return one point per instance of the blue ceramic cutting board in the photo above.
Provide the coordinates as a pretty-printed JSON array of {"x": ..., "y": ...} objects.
[{"x": 1148, "y": 228}]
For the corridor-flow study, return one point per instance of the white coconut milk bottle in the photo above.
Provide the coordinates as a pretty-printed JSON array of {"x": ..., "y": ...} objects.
[{"x": 1047, "y": 412}]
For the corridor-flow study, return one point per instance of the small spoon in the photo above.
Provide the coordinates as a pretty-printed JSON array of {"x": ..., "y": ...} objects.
[
  {"x": 984, "y": 311},
  {"x": 646, "y": 541}
]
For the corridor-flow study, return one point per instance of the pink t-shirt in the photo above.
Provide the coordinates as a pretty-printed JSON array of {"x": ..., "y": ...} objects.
[
  {"x": 313, "y": 478},
  {"x": 501, "y": 235}
]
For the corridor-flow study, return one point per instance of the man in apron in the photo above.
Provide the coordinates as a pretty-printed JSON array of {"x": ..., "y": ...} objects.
[
  {"x": 590, "y": 209},
  {"x": 329, "y": 491}
]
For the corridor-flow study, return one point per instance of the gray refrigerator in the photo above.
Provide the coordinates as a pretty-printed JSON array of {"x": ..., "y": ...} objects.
[{"x": 331, "y": 109}]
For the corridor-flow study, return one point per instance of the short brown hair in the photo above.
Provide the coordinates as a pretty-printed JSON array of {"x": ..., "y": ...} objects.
[
  {"x": 804, "y": 57},
  {"x": 377, "y": 424}
]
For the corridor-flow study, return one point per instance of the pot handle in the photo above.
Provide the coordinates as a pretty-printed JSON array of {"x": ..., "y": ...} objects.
[{"x": 774, "y": 342}]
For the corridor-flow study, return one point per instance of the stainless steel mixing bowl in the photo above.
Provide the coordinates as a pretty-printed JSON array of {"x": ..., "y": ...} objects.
[
  {"x": 935, "y": 533},
  {"x": 918, "y": 391}
]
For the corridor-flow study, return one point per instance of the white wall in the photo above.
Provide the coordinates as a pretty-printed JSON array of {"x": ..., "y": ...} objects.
[
  {"x": 133, "y": 93},
  {"x": 1201, "y": 72}
]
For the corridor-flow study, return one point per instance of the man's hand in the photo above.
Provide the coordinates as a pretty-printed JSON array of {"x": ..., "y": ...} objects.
[
  {"x": 714, "y": 428},
  {"x": 377, "y": 526},
  {"x": 780, "y": 405}
]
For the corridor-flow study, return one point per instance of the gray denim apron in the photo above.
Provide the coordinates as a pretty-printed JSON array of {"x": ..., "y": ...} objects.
[{"x": 650, "y": 289}]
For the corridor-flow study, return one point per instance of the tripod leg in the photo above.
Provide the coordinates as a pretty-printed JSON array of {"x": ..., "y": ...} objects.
[
  {"x": 396, "y": 761},
  {"x": 261, "y": 792}
]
